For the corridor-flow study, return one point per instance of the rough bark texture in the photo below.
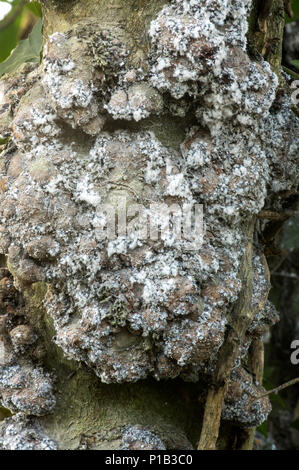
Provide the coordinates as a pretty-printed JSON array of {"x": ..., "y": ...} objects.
[{"x": 109, "y": 343}]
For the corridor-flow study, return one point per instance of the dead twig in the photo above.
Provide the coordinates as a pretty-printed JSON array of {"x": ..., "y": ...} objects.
[{"x": 278, "y": 389}]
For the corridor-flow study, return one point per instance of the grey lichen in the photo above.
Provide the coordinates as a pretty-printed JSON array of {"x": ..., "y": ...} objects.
[
  {"x": 24, "y": 387},
  {"x": 133, "y": 307},
  {"x": 22, "y": 433},
  {"x": 137, "y": 438},
  {"x": 240, "y": 406}
]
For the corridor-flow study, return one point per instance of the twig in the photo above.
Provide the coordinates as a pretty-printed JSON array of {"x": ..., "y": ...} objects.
[
  {"x": 290, "y": 72},
  {"x": 278, "y": 389}
]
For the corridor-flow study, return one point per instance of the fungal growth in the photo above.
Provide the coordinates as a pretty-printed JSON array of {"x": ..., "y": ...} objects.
[{"x": 83, "y": 139}]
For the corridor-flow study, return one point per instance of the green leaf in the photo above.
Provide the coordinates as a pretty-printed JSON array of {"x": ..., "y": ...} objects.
[
  {"x": 296, "y": 63},
  {"x": 36, "y": 39},
  {"x": 9, "y": 30},
  {"x": 35, "y": 8},
  {"x": 27, "y": 50}
]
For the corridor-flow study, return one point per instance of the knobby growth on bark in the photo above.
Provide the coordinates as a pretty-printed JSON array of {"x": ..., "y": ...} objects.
[{"x": 109, "y": 343}]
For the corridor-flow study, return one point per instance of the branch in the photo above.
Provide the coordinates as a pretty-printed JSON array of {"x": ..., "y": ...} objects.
[
  {"x": 290, "y": 72},
  {"x": 278, "y": 389}
]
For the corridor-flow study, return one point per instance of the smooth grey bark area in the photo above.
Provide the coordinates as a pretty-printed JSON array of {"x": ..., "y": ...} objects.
[{"x": 134, "y": 343}]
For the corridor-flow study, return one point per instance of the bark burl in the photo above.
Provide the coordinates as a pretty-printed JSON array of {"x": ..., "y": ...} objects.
[{"x": 148, "y": 103}]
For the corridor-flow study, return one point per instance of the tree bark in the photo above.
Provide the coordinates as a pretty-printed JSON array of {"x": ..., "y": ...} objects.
[{"x": 140, "y": 343}]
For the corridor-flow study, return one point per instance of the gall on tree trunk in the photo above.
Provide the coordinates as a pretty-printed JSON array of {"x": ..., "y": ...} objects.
[{"x": 136, "y": 341}]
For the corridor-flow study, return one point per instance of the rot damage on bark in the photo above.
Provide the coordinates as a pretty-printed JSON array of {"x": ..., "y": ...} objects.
[{"x": 152, "y": 102}]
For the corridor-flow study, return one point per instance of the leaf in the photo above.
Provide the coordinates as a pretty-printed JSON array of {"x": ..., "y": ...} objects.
[
  {"x": 9, "y": 30},
  {"x": 8, "y": 39},
  {"x": 296, "y": 63},
  {"x": 36, "y": 39},
  {"x": 35, "y": 8},
  {"x": 27, "y": 50}
]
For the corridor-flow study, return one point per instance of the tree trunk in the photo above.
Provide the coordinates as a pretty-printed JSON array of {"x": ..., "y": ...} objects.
[{"x": 137, "y": 341}]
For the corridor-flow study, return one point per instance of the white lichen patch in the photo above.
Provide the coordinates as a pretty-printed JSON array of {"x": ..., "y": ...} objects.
[
  {"x": 191, "y": 40},
  {"x": 240, "y": 405},
  {"x": 21, "y": 433},
  {"x": 137, "y": 438},
  {"x": 136, "y": 303},
  {"x": 32, "y": 126},
  {"x": 27, "y": 389},
  {"x": 136, "y": 102},
  {"x": 114, "y": 300}
]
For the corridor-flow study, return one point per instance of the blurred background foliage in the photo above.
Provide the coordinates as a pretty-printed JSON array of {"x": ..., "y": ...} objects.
[
  {"x": 16, "y": 24},
  {"x": 295, "y": 9},
  {"x": 291, "y": 43}
]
